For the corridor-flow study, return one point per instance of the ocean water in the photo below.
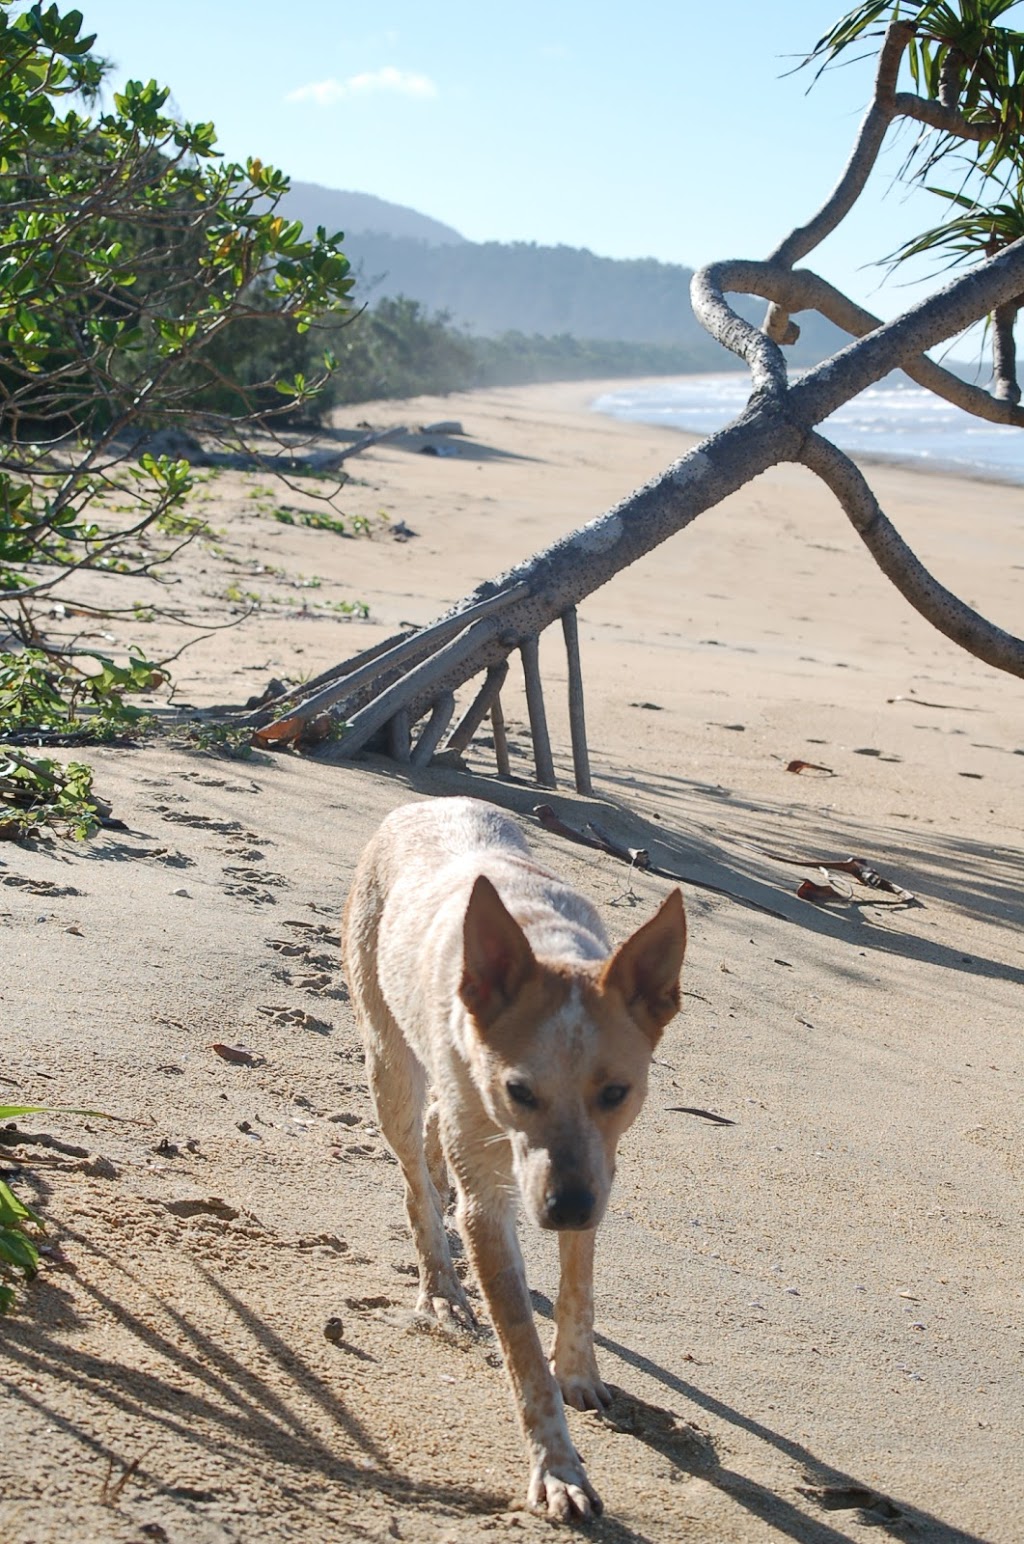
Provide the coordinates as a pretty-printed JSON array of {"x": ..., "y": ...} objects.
[{"x": 893, "y": 421}]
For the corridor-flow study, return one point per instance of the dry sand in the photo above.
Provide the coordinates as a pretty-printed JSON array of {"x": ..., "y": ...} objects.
[{"x": 813, "y": 1316}]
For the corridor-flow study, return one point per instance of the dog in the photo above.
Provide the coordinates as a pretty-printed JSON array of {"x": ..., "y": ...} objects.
[{"x": 508, "y": 1047}]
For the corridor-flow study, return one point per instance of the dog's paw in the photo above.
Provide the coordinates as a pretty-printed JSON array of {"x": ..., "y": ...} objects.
[
  {"x": 449, "y": 1308},
  {"x": 566, "y": 1495},
  {"x": 584, "y": 1393},
  {"x": 581, "y": 1386}
]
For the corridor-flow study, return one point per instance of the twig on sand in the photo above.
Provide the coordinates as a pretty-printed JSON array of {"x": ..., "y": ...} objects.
[{"x": 691, "y": 1109}]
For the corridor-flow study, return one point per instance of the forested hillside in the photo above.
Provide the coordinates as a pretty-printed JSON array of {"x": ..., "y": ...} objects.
[{"x": 490, "y": 288}]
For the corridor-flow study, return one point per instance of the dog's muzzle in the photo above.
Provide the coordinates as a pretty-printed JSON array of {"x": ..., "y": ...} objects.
[{"x": 571, "y": 1207}]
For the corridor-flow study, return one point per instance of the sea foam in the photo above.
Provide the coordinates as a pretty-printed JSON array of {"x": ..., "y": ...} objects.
[{"x": 893, "y": 421}]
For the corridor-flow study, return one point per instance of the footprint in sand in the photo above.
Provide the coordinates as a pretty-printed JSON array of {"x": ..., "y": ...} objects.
[
  {"x": 38, "y": 886},
  {"x": 220, "y": 782},
  {"x": 305, "y": 948},
  {"x": 252, "y": 893},
  {"x": 249, "y": 884},
  {"x": 297, "y": 1016},
  {"x": 256, "y": 876},
  {"x": 200, "y": 822},
  {"x": 314, "y": 984}
]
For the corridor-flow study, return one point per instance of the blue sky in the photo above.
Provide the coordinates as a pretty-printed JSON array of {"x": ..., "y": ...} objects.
[{"x": 648, "y": 129}]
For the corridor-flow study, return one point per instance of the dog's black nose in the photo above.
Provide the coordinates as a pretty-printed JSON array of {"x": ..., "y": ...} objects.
[{"x": 571, "y": 1207}]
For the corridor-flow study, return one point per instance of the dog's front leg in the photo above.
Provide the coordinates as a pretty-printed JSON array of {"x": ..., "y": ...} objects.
[
  {"x": 558, "y": 1480},
  {"x": 572, "y": 1355}
]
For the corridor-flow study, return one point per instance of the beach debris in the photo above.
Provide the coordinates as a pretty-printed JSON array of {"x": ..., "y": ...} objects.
[
  {"x": 113, "y": 1489},
  {"x": 399, "y": 532},
  {"x": 651, "y": 707},
  {"x": 636, "y": 857},
  {"x": 286, "y": 731},
  {"x": 443, "y": 426},
  {"x": 807, "y": 766},
  {"x": 922, "y": 702},
  {"x": 859, "y": 868},
  {"x": 438, "y": 450},
  {"x": 829, "y": 888},
  {"x": 239, "y": 1055},
  {"x": 552, "y": 821},
  {"x": 692, "y": 1109},
  {"x": 274, "y": 688},
  {"x": 374, "y": 437}
]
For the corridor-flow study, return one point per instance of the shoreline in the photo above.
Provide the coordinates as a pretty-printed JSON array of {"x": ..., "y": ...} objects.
[{"x": 927, "y": 468}]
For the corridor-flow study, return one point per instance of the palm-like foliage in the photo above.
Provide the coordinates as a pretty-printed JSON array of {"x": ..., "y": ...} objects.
[{"x": 963, "y": 58}]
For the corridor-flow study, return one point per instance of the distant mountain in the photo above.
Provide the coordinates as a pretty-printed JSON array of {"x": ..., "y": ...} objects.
[
  {"x": 490, "y": 288},
  {"x": 358, "y": 213}
]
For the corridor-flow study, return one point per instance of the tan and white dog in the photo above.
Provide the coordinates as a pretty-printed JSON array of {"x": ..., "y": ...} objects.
[{"x": 484, "y": 984}]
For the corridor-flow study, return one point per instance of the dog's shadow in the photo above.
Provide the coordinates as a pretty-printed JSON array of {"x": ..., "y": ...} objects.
[
  {"x": 692, "y": 1452},
  {"x": 790, "y": 1508},
  {"x": 682, "y": 1442}
]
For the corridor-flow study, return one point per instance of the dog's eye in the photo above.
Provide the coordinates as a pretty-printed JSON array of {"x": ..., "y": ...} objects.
[
  {"x": 611, "y": 1095},
  {"x": 519, "y": 1093}
]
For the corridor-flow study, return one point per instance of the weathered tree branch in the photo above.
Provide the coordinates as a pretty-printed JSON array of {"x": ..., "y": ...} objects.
[
  {"x": 800, "y": 289},
  {"x": 804, "y": 238},
  {"x": 510, "y": 612},
  {"x": 939, "y": 606},
  {"x": 1004, "y": 355}
]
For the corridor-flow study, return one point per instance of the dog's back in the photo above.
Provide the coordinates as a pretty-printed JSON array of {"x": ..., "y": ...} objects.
[{"x": 408, "y": 902}]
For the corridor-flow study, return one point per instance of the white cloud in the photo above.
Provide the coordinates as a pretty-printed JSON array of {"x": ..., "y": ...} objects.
[
  {"x": 400, "y": 82},
  {"x": 322, "y": 92}
]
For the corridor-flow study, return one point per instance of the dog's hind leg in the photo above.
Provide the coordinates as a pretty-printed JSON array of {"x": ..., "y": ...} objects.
[
  {"x": 398, "y": 1085},
  {"x": 572, "y": 1355},
  {"x": 436, "y": 1161}
]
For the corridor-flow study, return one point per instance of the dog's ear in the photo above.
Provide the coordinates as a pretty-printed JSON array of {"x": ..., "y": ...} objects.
[
  {"x": 496, "y": 956},
  {"x": 645, "y": 969}
]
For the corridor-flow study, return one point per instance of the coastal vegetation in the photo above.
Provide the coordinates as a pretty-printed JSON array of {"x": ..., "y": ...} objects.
[
  {"x": 133, "y": 257},
  {"x": 399, "y": 349}
]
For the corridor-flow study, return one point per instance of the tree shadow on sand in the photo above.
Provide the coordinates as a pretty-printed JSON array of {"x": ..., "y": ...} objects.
[
  {"x": 242, "y": 1400},
  {"x": 711, "y": 839}
]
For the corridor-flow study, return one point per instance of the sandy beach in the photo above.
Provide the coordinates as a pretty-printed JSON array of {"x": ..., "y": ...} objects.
[{"x": 811, "y": 1316}]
